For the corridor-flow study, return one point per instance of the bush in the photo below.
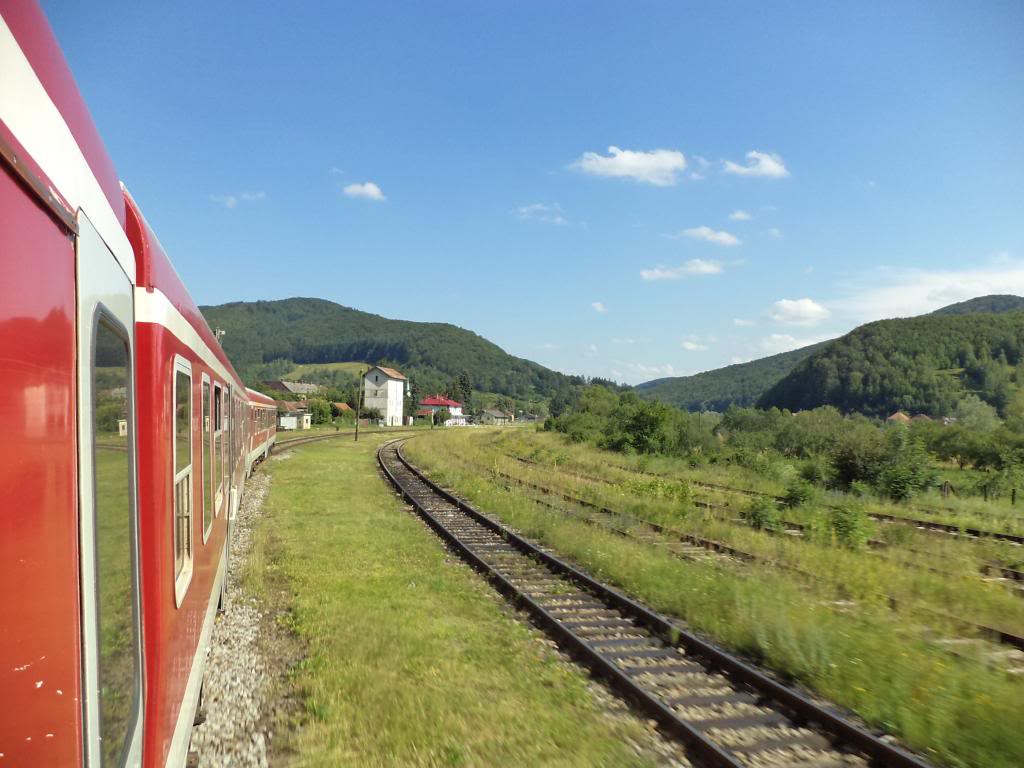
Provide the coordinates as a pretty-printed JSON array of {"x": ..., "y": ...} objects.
[
  {"x": 763, "y": 514},
  {"x": 798, "y": 493},
  {"x": 849, "y": 525}
]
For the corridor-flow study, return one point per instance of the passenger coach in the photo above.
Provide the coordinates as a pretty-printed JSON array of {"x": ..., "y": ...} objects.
[{"x": 127, "y": 438}]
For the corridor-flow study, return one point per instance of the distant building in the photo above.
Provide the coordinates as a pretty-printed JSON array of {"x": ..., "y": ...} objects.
[
  {"x": 899, "y": 418},
  {"x": 494, "y": 416},
  {"x": 341, "y": 409},
  {"x": 300, "y": 388},
  {"x": 431, "y": 405},
  {"x": 384, "y": 389},
  {"x": 292, "y": 415}
]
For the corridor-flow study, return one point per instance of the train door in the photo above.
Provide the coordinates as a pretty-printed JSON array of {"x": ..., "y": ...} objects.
[{"x": 110, "y": 606}]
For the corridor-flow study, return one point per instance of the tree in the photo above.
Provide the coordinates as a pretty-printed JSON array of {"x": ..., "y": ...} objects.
[
  {"x": 441, "y": 416},
  {"x": 975, "y": 414},
  {"x": 319, "y": 411},
  {"x": 464, "y": 387}
]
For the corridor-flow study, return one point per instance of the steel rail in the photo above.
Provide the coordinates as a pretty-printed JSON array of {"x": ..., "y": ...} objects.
[{"x": 741, "y": 676}]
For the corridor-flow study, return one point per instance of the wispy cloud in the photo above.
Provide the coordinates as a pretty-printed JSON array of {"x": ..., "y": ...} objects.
[
  {"x": 784, "y": 342},
  {"x": 599, "y": 307},
  {"x": 591, "y": 350},
  {"x": 740, "y": 216},
  {"x": 693, "y": 346},
  {"x": 709, "y": 235},
  {"x": 366, "y": 191},
  {"x": 902, "y": 292},
  {"x": 660, "y": 167},
  {"x": 739, "y": 322},
  {"x": 691, "y": 268},
  {"x": 634, "y": 373},
  {"x": 798, "y": 312},
  {"x": 775, "y": 233},
  {"x": 549, "y": 213},
  {"x": 763, "y": 164},
  {"x": 232, "y": 201}
]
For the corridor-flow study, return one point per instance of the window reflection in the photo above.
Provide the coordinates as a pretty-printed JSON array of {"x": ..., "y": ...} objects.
[{"x": 118, "y": 667}]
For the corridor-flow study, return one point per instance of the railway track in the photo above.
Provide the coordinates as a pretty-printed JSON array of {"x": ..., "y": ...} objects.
[
  {"x": 692, "y": 544},
  {"x": 726, "y": 712},
  {"x": 996, "y": 571},
  {"x": 926, "y": 525}
]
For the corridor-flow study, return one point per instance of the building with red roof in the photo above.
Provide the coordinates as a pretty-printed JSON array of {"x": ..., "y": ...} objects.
[{"x": 429, "y": 406}]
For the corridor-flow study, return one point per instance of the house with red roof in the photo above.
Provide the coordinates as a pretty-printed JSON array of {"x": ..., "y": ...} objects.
[{"x": 430, "y": 406}]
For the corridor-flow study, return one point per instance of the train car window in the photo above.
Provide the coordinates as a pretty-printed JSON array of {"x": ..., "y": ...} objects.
[
  {"x": 218, "y": 450},
  {"x": 118, "y": 669},
  {"x": 207, "y": 476},
  {"x": 182, "y": 478}
]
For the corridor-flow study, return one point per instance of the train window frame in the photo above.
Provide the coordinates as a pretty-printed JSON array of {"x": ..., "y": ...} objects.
[
  {"x": 105, "y": 319},
  {"x": 206, "y": 432},
  {"x": 182, "y": 578},
  {"x": 218, "y": 449}
]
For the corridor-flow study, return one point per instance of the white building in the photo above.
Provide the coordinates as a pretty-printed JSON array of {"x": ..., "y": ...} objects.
[
  {"x": 431, "y": 405},
  {"x": 384, "y": 389}
]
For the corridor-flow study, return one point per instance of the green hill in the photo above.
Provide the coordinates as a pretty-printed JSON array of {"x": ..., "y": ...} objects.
[
  {"x": 741, "y": 384},
  {"x": 995, "y": 303},
  {"x": 919, "y": 364},
  {"x": 269, "y": 339}
]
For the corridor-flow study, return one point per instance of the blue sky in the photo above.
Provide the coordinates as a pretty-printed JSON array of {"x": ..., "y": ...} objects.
[{"x": 781, "y": 172}]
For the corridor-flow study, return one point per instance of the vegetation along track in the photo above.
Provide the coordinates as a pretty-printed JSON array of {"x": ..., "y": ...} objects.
[
  {"x": 691, "y": 544},
  {"x": 726, "y": 712}
]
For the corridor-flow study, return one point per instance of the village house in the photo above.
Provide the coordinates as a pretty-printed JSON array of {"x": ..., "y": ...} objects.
[
  {"x": 495, "y": 416},
  {"x": 292, "y": 415},
  {"x": 432, "y": 405},
  {"x": 384, "y": 390},
  {"x": 300, "y": 388}
]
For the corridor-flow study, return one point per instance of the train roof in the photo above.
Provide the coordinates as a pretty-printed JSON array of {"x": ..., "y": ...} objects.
[
  {"x": 169, "y": 302},
  {"x": 259, "y": 397}
]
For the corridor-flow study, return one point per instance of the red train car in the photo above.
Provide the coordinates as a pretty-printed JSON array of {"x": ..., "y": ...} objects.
[{"x": 127, "y": 440}]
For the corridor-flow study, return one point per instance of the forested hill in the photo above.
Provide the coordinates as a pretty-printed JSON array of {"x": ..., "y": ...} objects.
[
  {"x": 919, "y": 364},
  {"x": 264, "y": 337},
  {"x": 994, "y": 303},
  {"x": 741, "y": 384}
]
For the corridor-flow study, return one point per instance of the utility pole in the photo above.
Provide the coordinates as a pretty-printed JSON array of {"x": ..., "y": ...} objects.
[{"x": 359, "y": 400}]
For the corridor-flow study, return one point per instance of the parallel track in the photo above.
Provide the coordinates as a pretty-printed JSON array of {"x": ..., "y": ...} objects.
[{"x": 725, "y": 711}]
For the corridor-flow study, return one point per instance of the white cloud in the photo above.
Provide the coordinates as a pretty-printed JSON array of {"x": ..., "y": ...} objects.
[
  {"x": 903, "y": 292},
  {"x": 707, "y": 234},
  {"x": 693, "y": 346},
  {"x": 798, "y": 312},
  {"x": 367, "y": 191},
  {"x": 739, "y": 322},
  {"x": 695, "y": 176},
  {"x": 692, "y": 267},
  {"x": 775, "y": 232},
  {"x": 590, "y": 351},
  {"x": 740, "y": 216},
  {"x": 660, "y": 167},
  {"x": 784, "y": 342},
  {"x": 765, "y": 164},
  {"x": 232, "y": 201},
  {"x": 736, "y": 359},
  {"x": 634, "y": 373},
  {"x": 549, "y": 213},
  {"x": 626, "y": 341},
  {"x": 599, "y": 307}
]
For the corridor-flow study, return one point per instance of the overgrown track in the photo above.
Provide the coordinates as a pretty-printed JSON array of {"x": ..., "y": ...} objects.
[
  {"x": 726, "y": 712},
  {"x": 330, "y": 436}
]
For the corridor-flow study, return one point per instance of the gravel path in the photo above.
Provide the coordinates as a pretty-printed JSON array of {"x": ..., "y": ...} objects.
[{"x": 239, "y": 676}]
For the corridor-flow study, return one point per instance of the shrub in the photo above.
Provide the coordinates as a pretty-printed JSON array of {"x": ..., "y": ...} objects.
[
  {"x": 798, "y": 493},
  {"x": 850, "y": 526},
  {"x": 763, "y": 514}
]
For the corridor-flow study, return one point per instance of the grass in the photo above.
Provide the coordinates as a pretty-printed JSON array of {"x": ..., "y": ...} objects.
[
  {"x": 958, "y": 710},
  {"x": 353, "y": 368},
  {"x": 411, "y": 660}
]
